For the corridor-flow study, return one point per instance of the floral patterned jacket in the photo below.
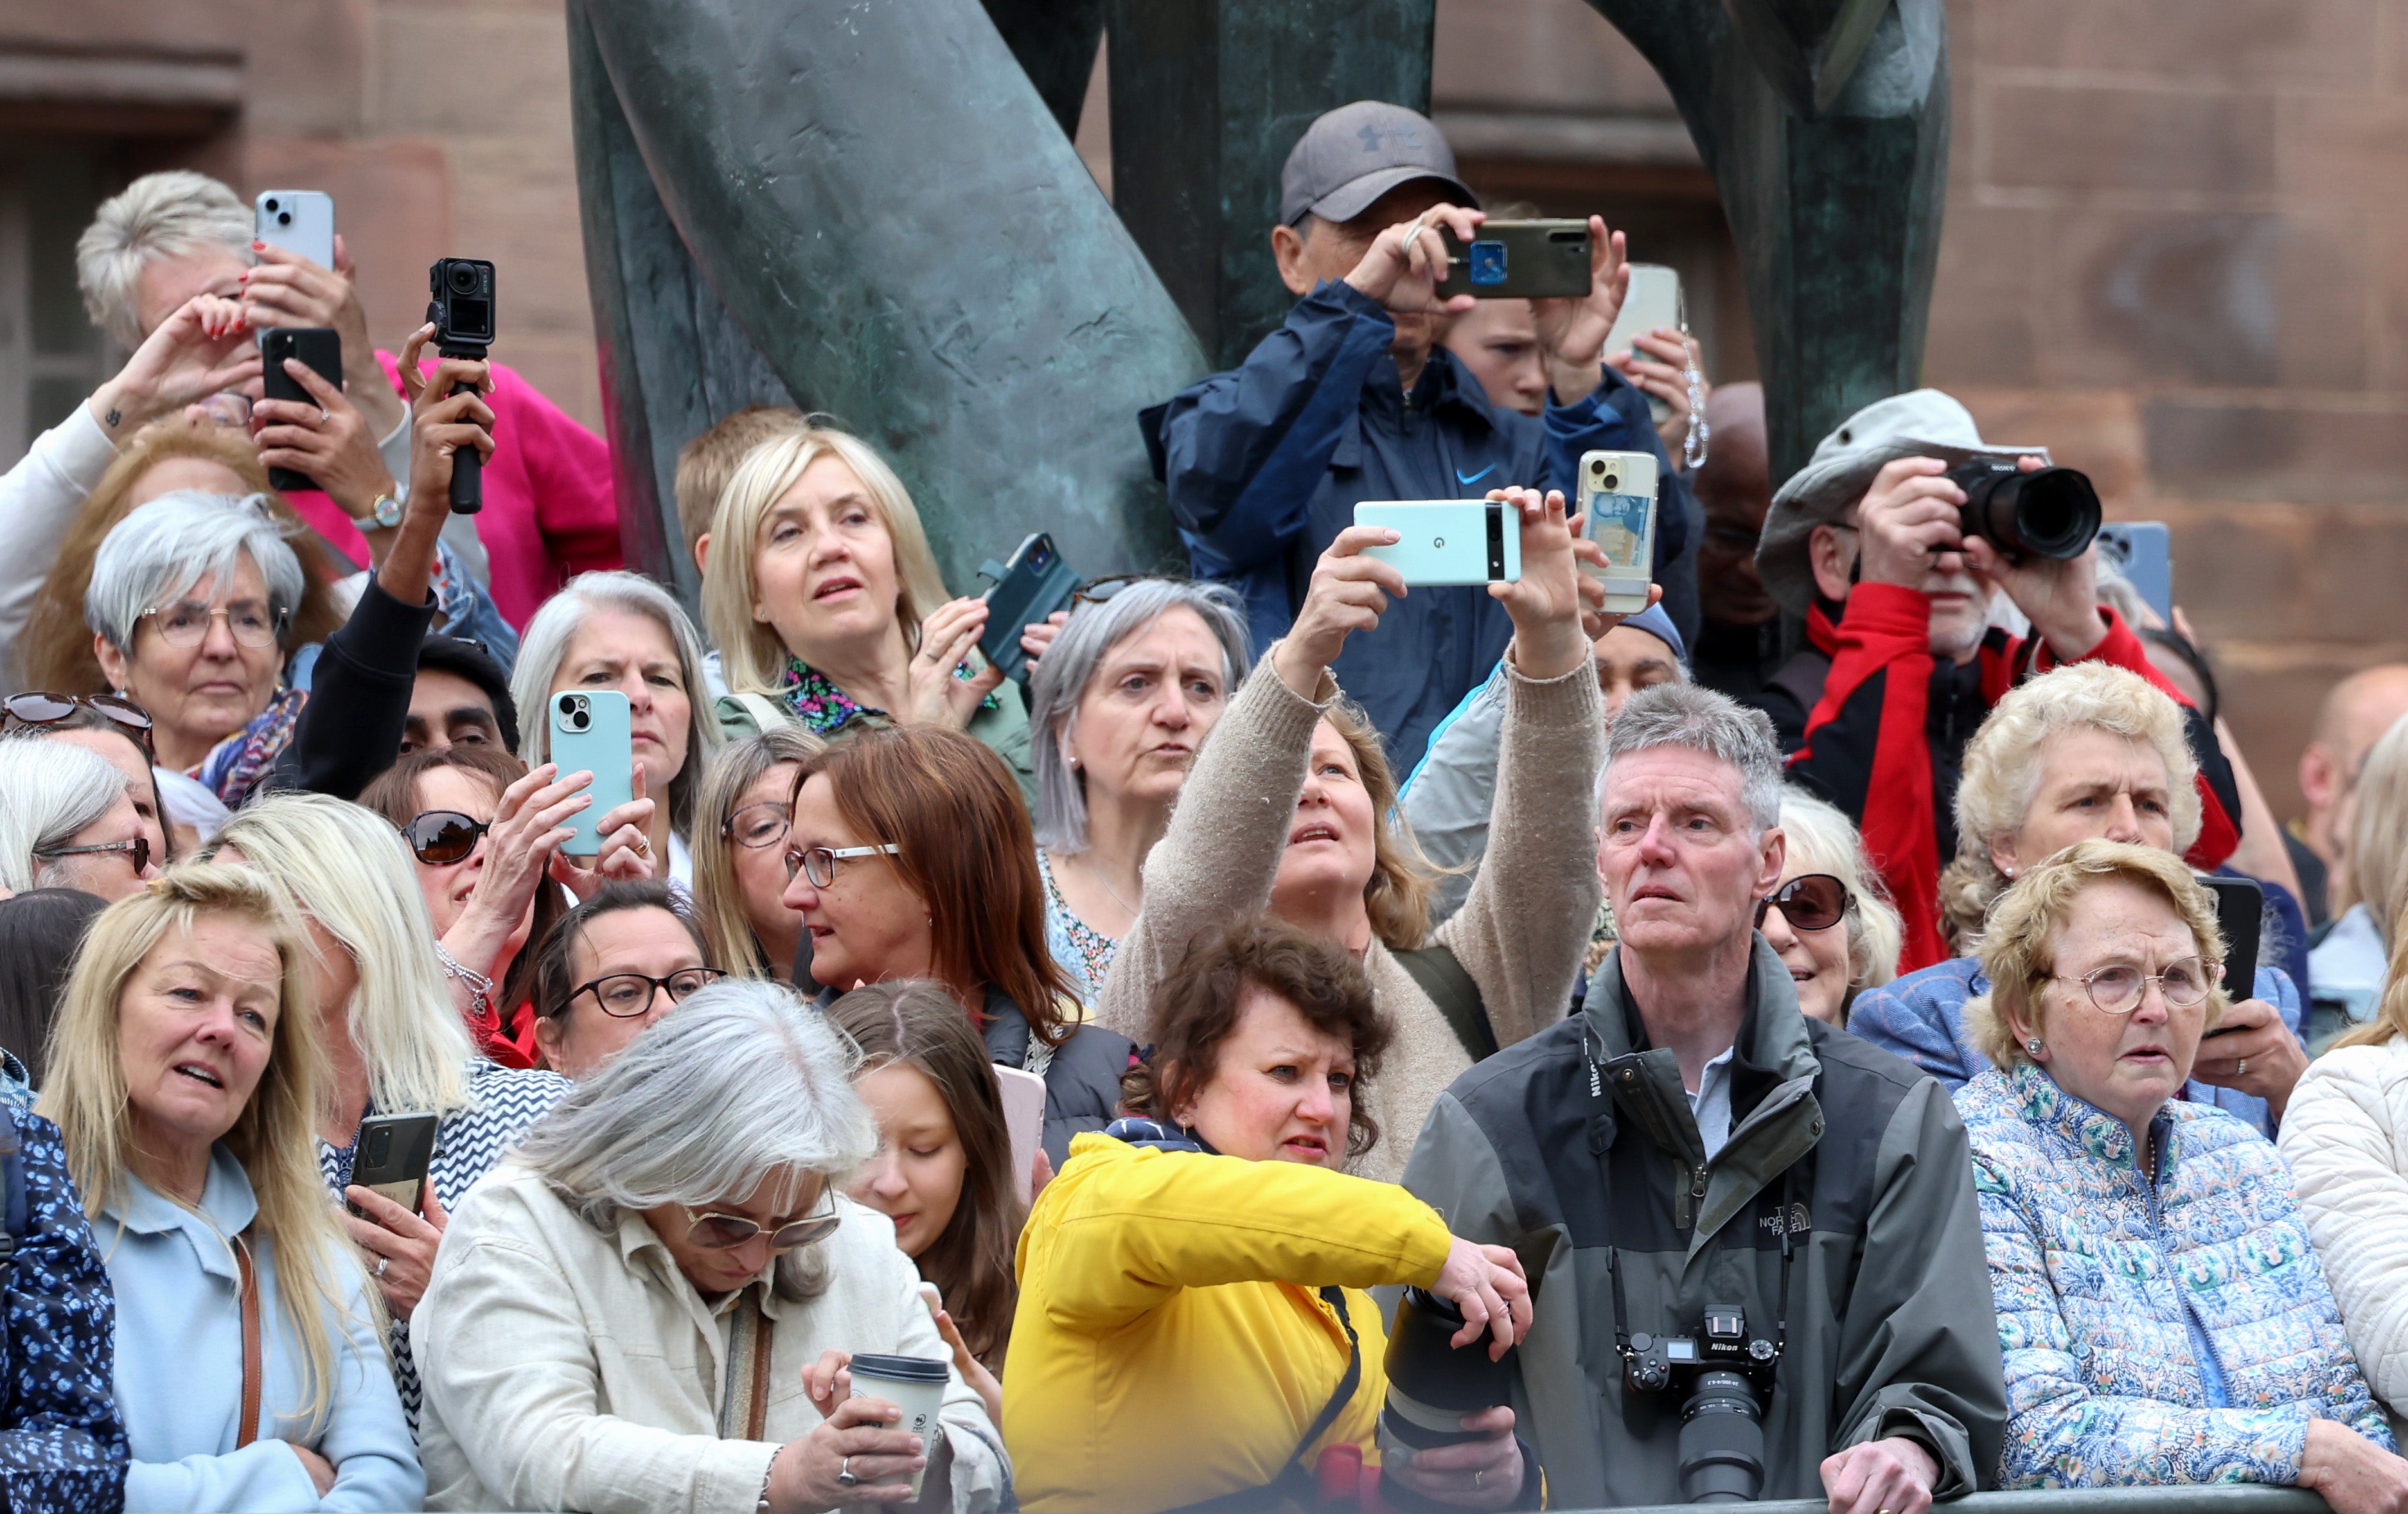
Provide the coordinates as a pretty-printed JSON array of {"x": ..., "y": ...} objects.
[
  {"x": 2173, "y": 1332},
  {"x": 61, "y": 1443}
]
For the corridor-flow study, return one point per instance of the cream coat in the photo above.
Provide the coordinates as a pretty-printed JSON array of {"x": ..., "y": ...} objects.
[
  {"x": 2345, "y": 1135},
  {"x": 565, "y": 1368}
]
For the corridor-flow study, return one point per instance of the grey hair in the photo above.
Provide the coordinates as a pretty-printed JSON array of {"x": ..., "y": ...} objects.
[
  {"x": 165, "y": 547},
  {"x": 1062, "y": 673},
  {"x": 741, "y": 1080},
  {"x": 170, "y": 214},
  {"x": 545, "y": 644},
  {"x": 49, "y": 790},
  {"x": 1822, "y": 839},
  {"x": 1694, "y": 716}
]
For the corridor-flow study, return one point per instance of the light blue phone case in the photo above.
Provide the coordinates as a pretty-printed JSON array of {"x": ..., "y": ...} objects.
[
  {"x": 1445, "y": 541},
  {"x": 593, "y": 732}
]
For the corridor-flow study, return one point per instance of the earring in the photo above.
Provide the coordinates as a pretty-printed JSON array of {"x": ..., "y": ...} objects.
[{"x": 2034, "y": 1047}]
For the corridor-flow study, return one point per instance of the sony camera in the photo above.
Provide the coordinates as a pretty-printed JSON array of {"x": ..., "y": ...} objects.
[
  {"x": 2050, "y": 512},
  {"x": 1431, "y": 1384},
  {"x": 1725, "y": 1374},
  {"x": 462, "y": 311}
]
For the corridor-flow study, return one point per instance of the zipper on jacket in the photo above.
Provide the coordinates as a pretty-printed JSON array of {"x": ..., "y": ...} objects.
[{"x": 1690, "y": 1199}]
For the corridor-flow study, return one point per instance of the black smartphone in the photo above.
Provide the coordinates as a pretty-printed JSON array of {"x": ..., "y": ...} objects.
[
  {"x": 1032, "y": 586},
  {"x": 2241, "y": 914},
  {"x": 1518, "y": 260},
  {"x": 394, "y": 1152},
  {"x": 321, "y": 350}
]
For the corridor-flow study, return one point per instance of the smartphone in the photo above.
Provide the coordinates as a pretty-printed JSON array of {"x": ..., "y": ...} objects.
[
  {"x": 393, "y": 1153},
  {"x": 2240, "y": 914},
  {"x": 1032, "y": 586},
  {"x": 1023, "y": 1120},
  {"x": 1618, "y": 493},
  {"x": 298, "y": 221},
  {"x": 2142, "y": 550},
  {"x": 592, "y": 731},
  {"x": 1518, "y": 260},
  {"x": 1445, "y": 541},
  {"x": 1653, "y": 300},
  {"x": 320, "y": 348}
]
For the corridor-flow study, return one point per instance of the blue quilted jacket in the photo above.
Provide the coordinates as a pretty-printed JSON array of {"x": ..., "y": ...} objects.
[{"x": 2171, "y": 1332}]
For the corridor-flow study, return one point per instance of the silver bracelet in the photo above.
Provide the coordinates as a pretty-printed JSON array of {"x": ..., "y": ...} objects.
[{"x": 480, "y": 988}]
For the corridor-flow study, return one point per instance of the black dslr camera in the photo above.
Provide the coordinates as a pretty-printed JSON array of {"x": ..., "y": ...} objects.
[
  {"x": 1726, "y": 1375},
  {"x": 462, "y": 311},
  {"x": 2050, "y": 512}
]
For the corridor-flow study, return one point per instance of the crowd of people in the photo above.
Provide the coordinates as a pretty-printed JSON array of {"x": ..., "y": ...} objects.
[{"x": 1657, "y": 1014}]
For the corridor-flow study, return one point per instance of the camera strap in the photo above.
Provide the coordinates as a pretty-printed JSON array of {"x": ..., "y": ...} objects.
[{"x": 1296, "y": 1484}]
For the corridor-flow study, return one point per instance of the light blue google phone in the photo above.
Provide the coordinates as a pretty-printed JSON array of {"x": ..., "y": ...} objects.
[
  {"x": 1443, "y": 541},
  {"x": 592, "y": 731}
]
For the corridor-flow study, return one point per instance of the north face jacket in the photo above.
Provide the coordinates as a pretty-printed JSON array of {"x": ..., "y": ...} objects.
[{"x": 1843, "y": 1203}]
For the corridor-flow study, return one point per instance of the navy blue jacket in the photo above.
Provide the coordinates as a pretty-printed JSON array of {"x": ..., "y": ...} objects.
[{"x": 1265, "y": 463}]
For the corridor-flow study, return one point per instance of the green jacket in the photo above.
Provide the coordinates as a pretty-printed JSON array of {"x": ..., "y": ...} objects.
[
  {"x": 1004, "y": 728},
  {"x": 1577, "y": 1147}
]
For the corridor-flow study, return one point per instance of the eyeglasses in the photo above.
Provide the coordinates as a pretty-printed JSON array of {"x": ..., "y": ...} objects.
[
  {"x": 758, "y": 825},
  {"x": 2116, "y": 990},
  {"x": 441, "y": 837},
  {"x": 626, "y": 995},
  {"x": 188, "y": 624},
  {"x": 139, "y": 847},
  {"x": 55, "y": 709},
  {"x": 1096, "y": 591},
  {"x": 1814, "y": 901},
  {"x": 818, "y": 863},
  {"x": 715, "y": 1230}
]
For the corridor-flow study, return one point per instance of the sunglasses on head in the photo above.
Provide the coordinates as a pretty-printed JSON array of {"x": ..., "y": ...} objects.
[
  {"x": 1816, "y": 902},
  {"x": 57, "y": 708},
  {"x": 1096, "y": 591},
  {"x": 442, "y": 837}
]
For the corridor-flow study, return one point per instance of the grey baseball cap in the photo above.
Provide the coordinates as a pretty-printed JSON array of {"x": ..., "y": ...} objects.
[{"x": 1357, "y": 152}]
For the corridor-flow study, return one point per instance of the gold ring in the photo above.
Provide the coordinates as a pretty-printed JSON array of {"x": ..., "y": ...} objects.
[{"x": 643, "y": 847}]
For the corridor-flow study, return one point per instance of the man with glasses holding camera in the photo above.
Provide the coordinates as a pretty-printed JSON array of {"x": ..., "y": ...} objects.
[
  {"x": 1892, "y": 543},
  {"x": 1753, "y": 1242}
]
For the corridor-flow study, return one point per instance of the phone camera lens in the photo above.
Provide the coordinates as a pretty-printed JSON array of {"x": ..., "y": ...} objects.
[
  {"x": 379, "y": 1147},
  {"x": 271, "y": 208},
  {"x": 284, "y": 217},
  {"x": 1612, "y": 481}
]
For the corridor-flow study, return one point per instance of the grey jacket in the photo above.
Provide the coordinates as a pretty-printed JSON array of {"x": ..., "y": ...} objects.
[{"x": 1577, "y": 1146}]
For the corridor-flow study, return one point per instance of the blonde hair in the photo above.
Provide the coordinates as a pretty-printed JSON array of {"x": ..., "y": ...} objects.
[
  {"x": 717, "y": 902},
  {"x": 1822, "y": 839},
  {"x": 2003, "y": 762},
  {"x": 750, "y": 656},
  {"x": 349, "y": 870},
  {"x": 1398, "y": 898},
  {"x": 706, "y": 463},
  {"x": 2374, "y": 872},
  {"x": 170, "y": 214},
  {"x": 2390, "y": 1017},
  {"x": 2018, "y": 951},
  {"x": 275, "y": 1138}
]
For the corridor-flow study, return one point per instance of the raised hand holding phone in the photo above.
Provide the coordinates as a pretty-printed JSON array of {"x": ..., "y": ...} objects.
[{"x": 1349, "y": 592}]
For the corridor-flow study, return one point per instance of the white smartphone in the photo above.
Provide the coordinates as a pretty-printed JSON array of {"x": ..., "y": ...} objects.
[
  {"x": 1443, "y": 541},
  {"x": 1653, "y": 300},
  {"x": 298, "y": 221},
  {"x": 1618, "y": 495},
  {"x": 1023, "y": 1117}
]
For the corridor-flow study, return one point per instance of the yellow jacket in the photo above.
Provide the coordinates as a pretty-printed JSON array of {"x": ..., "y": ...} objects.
[{"x": 1171, "y": 1345}]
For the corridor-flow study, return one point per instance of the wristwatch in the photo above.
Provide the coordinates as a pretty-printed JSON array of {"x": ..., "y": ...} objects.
[{"x": 384, "y": 515}]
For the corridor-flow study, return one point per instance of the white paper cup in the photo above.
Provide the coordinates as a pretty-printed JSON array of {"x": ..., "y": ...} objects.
[{"x": 914, "y": 1384}]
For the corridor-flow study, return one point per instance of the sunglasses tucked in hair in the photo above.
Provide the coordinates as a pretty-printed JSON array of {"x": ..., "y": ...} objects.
[{"x": 58, "y": 708}]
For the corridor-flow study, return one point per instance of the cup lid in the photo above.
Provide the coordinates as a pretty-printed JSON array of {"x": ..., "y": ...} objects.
[{"x": 901, "y": 1368}]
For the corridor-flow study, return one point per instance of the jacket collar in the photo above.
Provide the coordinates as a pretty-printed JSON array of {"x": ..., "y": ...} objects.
[
  {"x": 227, "y": 1207},
  {"x": 2083, "y": 1125}
]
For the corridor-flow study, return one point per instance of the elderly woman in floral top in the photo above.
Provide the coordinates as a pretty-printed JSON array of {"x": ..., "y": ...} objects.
[
  {"x": 2161, "y": 1313},
  {"x": 820, "y": 592}
]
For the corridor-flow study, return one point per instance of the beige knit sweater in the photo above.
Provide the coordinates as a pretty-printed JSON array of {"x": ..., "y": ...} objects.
[{"x": 1519, "y": 934}]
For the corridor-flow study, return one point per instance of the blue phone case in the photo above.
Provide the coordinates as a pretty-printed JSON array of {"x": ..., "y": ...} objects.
[
  {"x": 591, "y": 731},
  {"x": 1445, "y": 541}
]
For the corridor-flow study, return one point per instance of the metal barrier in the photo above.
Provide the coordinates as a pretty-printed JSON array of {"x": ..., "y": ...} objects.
[{"x": 2219, "y": 1498}]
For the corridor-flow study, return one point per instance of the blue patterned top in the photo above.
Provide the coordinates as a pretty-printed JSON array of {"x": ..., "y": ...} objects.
[
  {"x": 61, "y": 1443},
  {"x": 2171, "y": 1332}
]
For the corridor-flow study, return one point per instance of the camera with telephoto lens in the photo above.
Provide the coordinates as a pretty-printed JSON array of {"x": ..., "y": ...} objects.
[
  {"x": 2049, "y": 512},
  {"x": 1726, "y": 1374},
  {"x": 1432, "y": 1385},
  {"x": 461, "y": 313}
]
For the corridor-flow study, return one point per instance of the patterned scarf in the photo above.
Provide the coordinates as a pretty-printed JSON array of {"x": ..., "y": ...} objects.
[
  {"x": 233, "y": 766},
  {"x": 825, "y": 709}
]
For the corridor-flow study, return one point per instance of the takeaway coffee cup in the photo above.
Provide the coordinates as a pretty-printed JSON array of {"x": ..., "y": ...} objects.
[{"x": 914, "y": 1384}]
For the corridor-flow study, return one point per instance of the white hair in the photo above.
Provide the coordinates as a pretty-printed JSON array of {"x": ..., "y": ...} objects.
[
  {"x": 349, "y": 871},
  {"x": 165, "y": 547},
  {"x": 1822, "y": 839},
  {"x": 1062, "y": 675},
  {"x": 49, "y": 790},
  {"x": 545, "y": 644},
  {"x": 171, "y": 214},
  {"x": 1693, "y": 716}
]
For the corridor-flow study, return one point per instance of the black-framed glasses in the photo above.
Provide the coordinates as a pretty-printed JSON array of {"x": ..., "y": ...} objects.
[
  {"x": 626, "y": 995},
  {"x": 187, "y": 624},
  {"x": 139, "y": 849},
  {"x": 1810, "y": 902},
  {"x": 441, "y": 837},
  {"x": 716, "y": 1229},
  {"x": 759, "y": 824},
  {"x": 818, "y": 863},
  {"x": 1096, "y": 591},
  {"x": 44, "y": 709},
  {"x": 2116, "y": 989}
]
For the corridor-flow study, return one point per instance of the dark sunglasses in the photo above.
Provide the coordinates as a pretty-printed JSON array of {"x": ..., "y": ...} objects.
[
  {"x": 1096, "y": 591},
  {"x": 1816, "y": 902},
  {"x": 715, "y": 1232},
  {"x": 441, "y": 837},
  {"x": 53, "y": 708},
  {"x": 138, "y": 851}
]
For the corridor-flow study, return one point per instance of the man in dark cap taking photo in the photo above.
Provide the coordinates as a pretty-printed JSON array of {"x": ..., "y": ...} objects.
[{"x": 1352, "y": 399}]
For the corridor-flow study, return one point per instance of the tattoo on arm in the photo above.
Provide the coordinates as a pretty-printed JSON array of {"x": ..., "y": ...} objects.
[{"x": 115, "y": 419}]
